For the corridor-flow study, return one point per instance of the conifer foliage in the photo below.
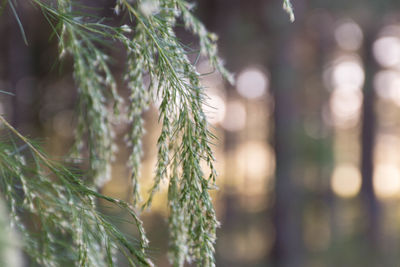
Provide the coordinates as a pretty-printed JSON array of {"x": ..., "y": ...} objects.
[{"x": 52, "y": 207}]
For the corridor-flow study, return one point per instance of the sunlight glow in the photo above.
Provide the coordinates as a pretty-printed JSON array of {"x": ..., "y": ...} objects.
[
  {"x": 348, "y": 35},
  {"x": 346, "y": 180},
  {"x": 348, "y": 72},
  {"x": 386, "y": 149},
  {"x": 387, "y": 85},
  {"x": 214, "y": 107},
  {"x": 346, "y": 78},
  {"x": 387, "y": 180},
  {"x": 345, "y": 105},
  {"x": 387, "y": 171},
  {"x": 235, "y": 116},
  {"x": 255, "y": 161},
  {"x": 387, "y": 51},
  {"x": 252, "y": 83}
]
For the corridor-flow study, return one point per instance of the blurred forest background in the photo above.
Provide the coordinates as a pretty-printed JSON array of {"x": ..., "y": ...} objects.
[{"x": 308, "y": 147}]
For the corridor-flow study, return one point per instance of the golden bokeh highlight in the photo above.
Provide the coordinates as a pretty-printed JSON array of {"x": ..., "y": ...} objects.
[
  {"x": 387, "y": 180},
  {"x": 346, "y": 180}
]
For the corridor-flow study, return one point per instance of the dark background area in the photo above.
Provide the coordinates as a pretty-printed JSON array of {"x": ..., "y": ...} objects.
[{"x": 308, "y": 138}]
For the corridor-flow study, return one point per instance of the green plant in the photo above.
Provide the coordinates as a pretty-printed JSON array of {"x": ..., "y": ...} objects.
[
  {"x": 67, "y": 227},
  {"x": 287, "y": 6}
]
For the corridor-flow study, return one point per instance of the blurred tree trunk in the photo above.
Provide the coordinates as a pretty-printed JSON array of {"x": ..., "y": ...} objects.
[
  {"x": 287, "y": 210},
  {"x": 287, "y": 217},
  {"x": 369, "y": 199},
  {"x": 322, "y": 26}
]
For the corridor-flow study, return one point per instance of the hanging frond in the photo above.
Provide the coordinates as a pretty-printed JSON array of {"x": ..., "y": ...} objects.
[
  {"x": 288, "y": 7},
  {"x": 154, "y": 53},
  {"x": 184, "y": 138},
  {"x": 56, "y": 213},
  {"x": 10, "y": 250},
  {"x": 139, "y": 101}
]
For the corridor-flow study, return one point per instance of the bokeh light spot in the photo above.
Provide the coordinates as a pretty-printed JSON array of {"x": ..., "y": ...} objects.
[
  {"x": 348, "y": 73},
  {"x": 235, "y": 116},
  {"x": 348, "y": 35},
  {"x": 345, "y": 106},
  {"x": 387, "y": 180},
  {"x": 387, "y": 85},
  {"x": 346, "y": 181},
  {"x": 387, "y": 51},
  {"x": 252, "y": 83}
]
